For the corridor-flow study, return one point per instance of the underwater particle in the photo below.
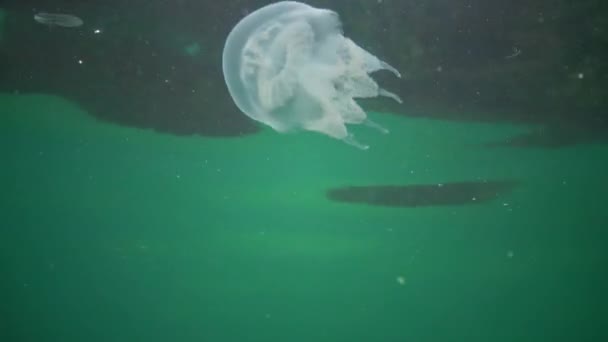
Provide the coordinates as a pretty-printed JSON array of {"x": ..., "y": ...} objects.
[
  {"x": 97, "y": 31},
  {"x": 288, "y": 65},
  {"x": 401, "y": 280},
  {"x": 510, "y": 254},
  {"x": 541, "y": 18},
  {"x": 193, "y": 49},
  {"x": 580, "y": 75},
  {"x": 58, "y": 19}
]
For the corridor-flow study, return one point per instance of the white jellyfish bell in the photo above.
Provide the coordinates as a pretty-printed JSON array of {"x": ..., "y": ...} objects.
[{"x": 288, "y": 66}]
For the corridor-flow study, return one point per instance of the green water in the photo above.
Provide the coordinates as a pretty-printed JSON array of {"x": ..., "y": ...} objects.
[{"x": 122, "y": 234}]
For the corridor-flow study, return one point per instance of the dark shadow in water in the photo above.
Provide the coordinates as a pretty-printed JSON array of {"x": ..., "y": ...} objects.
[
  {"x": 554, "y": 128},
  {"x": 556, "y": 137},
  {"x": 423, "y": 195},
  {"x": 458, "y": 62},
  {"x": 485, "y": 64},
  {"x": 123, "y": 67}
]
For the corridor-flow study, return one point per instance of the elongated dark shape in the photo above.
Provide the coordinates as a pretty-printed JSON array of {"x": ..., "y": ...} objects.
[
  {"x": 58, "y": 19},
  {"x": 424, "y": 195}
]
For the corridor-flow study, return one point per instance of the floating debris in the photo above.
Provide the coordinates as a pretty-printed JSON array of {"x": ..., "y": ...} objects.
[
  {"x": 57, "y": 19},
  {"x": 516, "y": 52}
]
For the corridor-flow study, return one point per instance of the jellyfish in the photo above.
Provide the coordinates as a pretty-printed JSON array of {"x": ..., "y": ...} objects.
[
  {"x": 289, "y": 66},
  {"x": 57, "y": 19}
]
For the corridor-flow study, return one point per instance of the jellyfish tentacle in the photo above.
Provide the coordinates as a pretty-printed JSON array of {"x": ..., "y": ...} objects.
[
  {"x": 386, "y": 93},
  {"x": 350, "y": 139},
  {"x": 368, "y": 122},
  {"x": 390, "y": 68}
]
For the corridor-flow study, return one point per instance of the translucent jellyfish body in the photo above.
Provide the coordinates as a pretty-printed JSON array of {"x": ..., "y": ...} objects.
[
  {"x": 288, "y": 66},
  {"x": 58, "y": 19}
]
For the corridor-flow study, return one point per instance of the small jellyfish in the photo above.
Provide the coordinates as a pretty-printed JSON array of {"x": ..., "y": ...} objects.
[
  {"x": 56, "y": 19},
  {"x": 289, "y": 66}
]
